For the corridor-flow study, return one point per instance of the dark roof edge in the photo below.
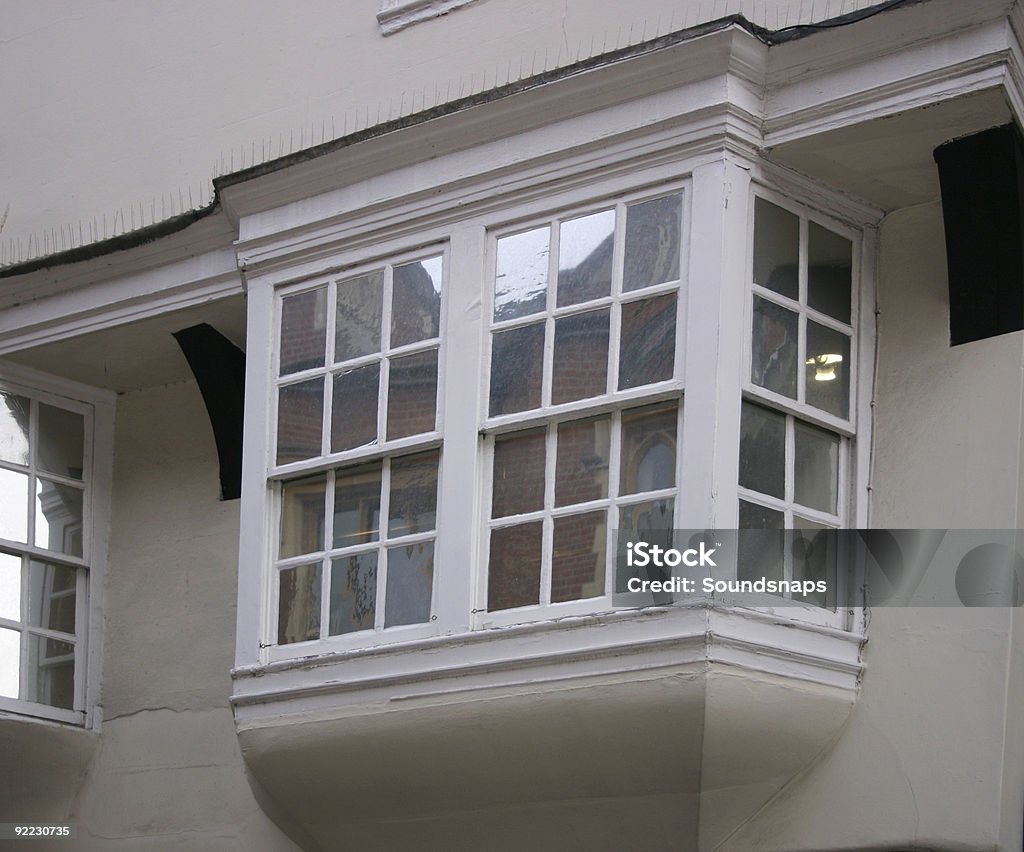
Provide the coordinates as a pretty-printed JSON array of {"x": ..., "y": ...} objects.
[{"x": 166, "y": 227}]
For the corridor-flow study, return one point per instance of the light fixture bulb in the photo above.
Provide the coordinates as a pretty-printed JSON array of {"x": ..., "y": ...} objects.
[{"x": 825, "y": 366}]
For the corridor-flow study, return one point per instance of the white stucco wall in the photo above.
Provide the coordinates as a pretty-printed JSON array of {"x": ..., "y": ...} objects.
[
  {"x": 169, "y": 773},
  {"x": 115, "y": 105}
]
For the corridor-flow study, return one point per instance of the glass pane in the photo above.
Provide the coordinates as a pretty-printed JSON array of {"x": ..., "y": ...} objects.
[
  {"x": 828, "y": 369},
  {"x": 763, "y": 450},
  {"x": 10, "y": 662},
  {"x": 651, "y": 520},
  {"x": 59, "y": 517},
  {"x": 357, "y": 505},
  {"x": 353, "y": 593},
  {"x": 581, "y": 357},
  {"x": 302, "y": 516},
  {"x": 61, "y": 439},
  {"x": 51, "y": 672},
  {"x": 520, "y": 286},
  {"x": 300, "y": 417},
  {"x": 357, "y": 330},
  {"x": 412, "y": 395},
  {"x": 410, "y": 579},
  {"x": 51, "y": 596},
  {"x": 652, "y": 242},
  {"x": 776, "y": 248},
  {"x": 760, "y": 554},
  {"x": 648, "y": 343},
  {"x": 517, "y": 368},
  {"x": 648, "y": 456},
  {"x": 413, "y": 505},
  {"x": 513, "y": 574},
  {"x": 585, "y": 258},
  {"x": 298, "y": 610},
  {"x": 518, "y": 474},
  {"x": 817, "y": 467},
  {"x": 577, "y": 566},
  {"x": 416, "y": 302},
  {"x": 10, "y": 587},
  {"x": 354, "y": 411},
  {"x": 816, "y": 558},
  {"x": 581, "y": 468},
  {"x": 830, "y": 267},
  {"x": 774, "y": 350},
  {"x": 303, "y": 330},
  {"x": 13, "y": 505},
  {"x": 14, "y": 414}
]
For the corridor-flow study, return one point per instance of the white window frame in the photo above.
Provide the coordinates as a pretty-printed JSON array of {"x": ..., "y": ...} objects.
[
  {"x": 327, "y": 462},
  {"x": 613, "y": 402},
  {"x": 97, "y": 408},
  {"x": 850, "y": 510}
]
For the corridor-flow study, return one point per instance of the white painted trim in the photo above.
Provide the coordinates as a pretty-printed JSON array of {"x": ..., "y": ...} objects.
[{"x": 395, "y": 15}]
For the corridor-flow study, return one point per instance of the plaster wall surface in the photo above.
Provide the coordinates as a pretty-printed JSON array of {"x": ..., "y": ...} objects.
[
  {"x": 117, "y": 112},
  {"x": 922, "y": 759},
  {"x": 169, "y": 773}
]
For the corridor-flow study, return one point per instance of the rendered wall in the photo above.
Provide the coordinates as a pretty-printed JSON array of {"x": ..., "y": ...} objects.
[
  {"x": 113, "y": 104},
  {"x": 169, "y": 773},
  {"x": 921, "y": 763}
]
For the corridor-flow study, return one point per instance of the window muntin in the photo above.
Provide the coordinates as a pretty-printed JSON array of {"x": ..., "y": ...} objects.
[
  {"x": 584, "y": 384},
  {"x": 357, "y": 451},
  {"x": 45, "y": 482}
]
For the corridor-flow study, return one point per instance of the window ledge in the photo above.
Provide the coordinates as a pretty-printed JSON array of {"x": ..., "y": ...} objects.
[
  {"x": 396, "y": 15},
  {"x": 731, "y": 703}
]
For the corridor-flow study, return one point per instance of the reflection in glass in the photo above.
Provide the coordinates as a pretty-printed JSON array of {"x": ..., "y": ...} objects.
[
  {"x": 412, "y": 395},
  {"x": 829, "y": 271},
  {"x": 776, "y": 248},
  {"x": 357, "y": 505},
  {"x": 410, "y": 579},
  {"x": 652, "y": 242},
  {"x": 648, "y": 455},
  {"x": 302, "y": 516},
  {"x": 513, "y": 574},
  {"x": 828, "y": 369},
  {"x": 14, "y": 415},
  {"x": 298, "y": 610},
  {"x": 518, "y": 474},
  {"x": 585, "y": 258},
  {"x": 61, "y": 439},
  {"x": 10, "y": 586},
  {"x": 774, "y": 351},
  {"x": 10, "y": 662},
  {"x": 763, "y": 450},
  {"x": 59, "y": 517},
  {"x": 413, "y": 501},
  {"x": 581, "y": 469},
  {"x": 517, "y": 368},
  {"x": 520, "y": 285},
  {"x": 651, "y": 521},
  {"x": 578, "y": 558},
  {"x": 51, "y": 597},
  {"x": 13, "y": 505},
  {"x": 303, "y": 331},
  {"x": 581, "y": 357},
  {"x": 760, "y": 554},
  {"x": 817, "y": 467},
  {"x": 648, "y": 346},
  {"x": 50, "y": 678},
  {"x": 354, "y": 411},
  {"x": 357, "y": 329},
  {"x": 816, "y": 557},
  {"x": 416, "y": 302},
  {"x": 353, "y": 593},
  {"x": 300, "y": 416}
]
